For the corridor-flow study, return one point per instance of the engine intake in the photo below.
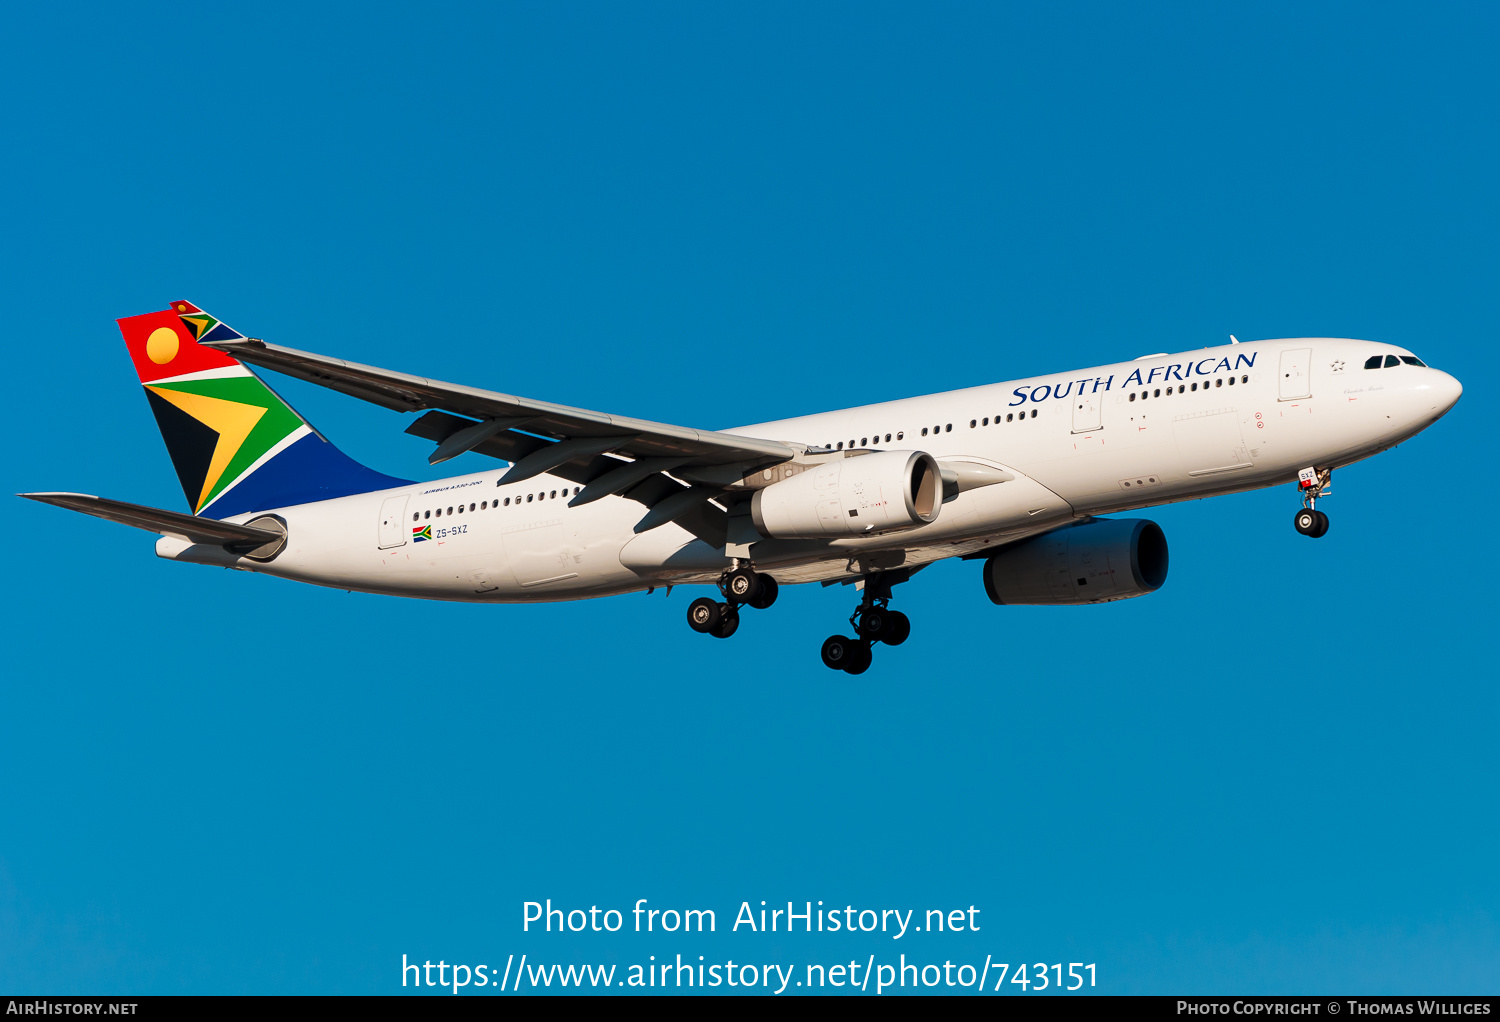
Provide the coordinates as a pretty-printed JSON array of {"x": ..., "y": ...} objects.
[
  {"x": 855, "y": 496},
  {"x": 1092, "y": 562}
]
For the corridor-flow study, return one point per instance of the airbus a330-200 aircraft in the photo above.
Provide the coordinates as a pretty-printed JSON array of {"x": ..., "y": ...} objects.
[{"x": 1018, "y": 474}]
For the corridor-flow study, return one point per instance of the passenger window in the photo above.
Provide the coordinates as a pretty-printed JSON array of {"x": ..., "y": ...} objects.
[
  {"x": 417, "y": 517},
  {"x": 1231, "y": 381},
  {"x": 900, "y": 435},
  {"x": 950, "y": 427},
  {"x": 554, "y": 495},
  {"x": 924, "y": 430},
  {"x": 529, "y": 496},
  {"x": 460, "y": 509},
  {"x": 1219, "y": 383},
  {"x": 507, "y": 502},
  {"x": 1132, "y": 395},
  {"x": 973, "y": 423},
  {"x": 1156, "y": 392},
  {"x": 440, "y": 512},
  {"x": 1373, "y": 362},
  {"x": 986, "y": 420},
  {"x": 841, "y": 445},
  {"x": 1412, "y": 360},
  {"x": 887, "y": 438},
  {"x": 1391, "y": 360},
  {"x": 471, "y": 507},
  {"x": 863, "y": 441},
  {"x": 1033, "y": 413}
]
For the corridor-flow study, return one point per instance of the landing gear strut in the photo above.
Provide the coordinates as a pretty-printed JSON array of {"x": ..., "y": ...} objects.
[
  {"x": 1313, "y": 483},
  {"x": 873, "y": 621},
  {"x": 741, "y": 585}
]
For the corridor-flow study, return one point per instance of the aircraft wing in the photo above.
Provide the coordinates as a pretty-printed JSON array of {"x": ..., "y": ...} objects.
[
  {"x": 607, "y": 454},
  {"x": 571, "y": 436},
  {"x": 209, "y": 531}
]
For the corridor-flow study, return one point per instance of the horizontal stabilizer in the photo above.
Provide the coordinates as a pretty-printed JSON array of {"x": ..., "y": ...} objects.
[{"x": 165, "y": 523}]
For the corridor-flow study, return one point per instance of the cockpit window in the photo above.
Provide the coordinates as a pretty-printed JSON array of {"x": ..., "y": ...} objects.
[
  {"x": 1391, "y": 360},
  {"x": 1412, "y": 360},
  {"x": 1373, "y": 362}
]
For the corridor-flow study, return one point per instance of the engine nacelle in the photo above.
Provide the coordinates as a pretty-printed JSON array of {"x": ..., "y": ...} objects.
[
  {"x": 857, "y": 496},
  {"x": 1092, "y": 562}
]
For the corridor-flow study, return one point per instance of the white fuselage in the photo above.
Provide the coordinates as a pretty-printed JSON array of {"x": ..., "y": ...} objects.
[{"x": 1109, "y": 439}]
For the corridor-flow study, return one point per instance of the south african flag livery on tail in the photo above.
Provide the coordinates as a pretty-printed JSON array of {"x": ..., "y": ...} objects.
[{"x": 236, "y": 445}]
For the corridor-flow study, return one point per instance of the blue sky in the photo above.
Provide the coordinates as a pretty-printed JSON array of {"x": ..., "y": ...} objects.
[{"x": 1278, "y": 774}]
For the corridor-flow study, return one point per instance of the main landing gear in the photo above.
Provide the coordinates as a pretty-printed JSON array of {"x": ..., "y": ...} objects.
[
  {"x": 742, "y": 585},
  {"x": 1312, "y": 483},
  {"x": 873, "y": 621}
]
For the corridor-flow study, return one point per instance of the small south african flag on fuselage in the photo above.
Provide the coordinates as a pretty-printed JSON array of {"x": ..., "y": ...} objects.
[{"x": 425, "y": 532}]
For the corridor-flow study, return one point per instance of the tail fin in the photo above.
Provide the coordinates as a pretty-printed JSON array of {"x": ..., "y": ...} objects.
[{"x": 236, "y": 445}]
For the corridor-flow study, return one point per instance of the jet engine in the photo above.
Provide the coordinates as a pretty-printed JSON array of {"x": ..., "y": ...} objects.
[
  {"x": 1096, "y": 561},
  {"x": 856, "y": 496}
]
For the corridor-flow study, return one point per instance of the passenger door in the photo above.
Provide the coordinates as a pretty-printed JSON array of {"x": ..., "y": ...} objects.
[
  {"x": 1295, "y": 381},
  {"x": 1087, "y": 409},
  {"x": 393, "y": 522}
]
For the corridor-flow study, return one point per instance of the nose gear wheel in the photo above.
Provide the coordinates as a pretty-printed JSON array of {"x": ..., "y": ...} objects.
[{"x": 1311, "y": 523}]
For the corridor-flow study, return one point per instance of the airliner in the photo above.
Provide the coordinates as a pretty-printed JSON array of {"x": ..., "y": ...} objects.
[{"x": 1026, "y": 476}]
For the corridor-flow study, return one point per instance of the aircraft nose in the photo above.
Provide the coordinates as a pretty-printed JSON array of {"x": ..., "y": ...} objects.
[{"x": 1444, "y": 391}]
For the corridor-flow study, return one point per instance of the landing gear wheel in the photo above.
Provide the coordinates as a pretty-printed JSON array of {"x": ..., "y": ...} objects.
[
  {"x": 1321, "y": 528},
  {"x": 860, "y": 659},
  {"x": 703, "y": 614},
  {"x": 873, "y": 623},
  {"x": 1306, "y": 522},
  {"x": 742, "y": 585},
  {"x": 729, "y": 621},
  {"x": 767, "y": 595},
  {"x": 897, "y": 628},
  {"x": 837, "y": 650}
]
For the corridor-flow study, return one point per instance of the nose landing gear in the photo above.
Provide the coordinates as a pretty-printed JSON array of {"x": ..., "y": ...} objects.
[
  {"x": 873, "y": 621},
  {"x": 742, "y": 585},
  {"x": 1313, "y": 483}
]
